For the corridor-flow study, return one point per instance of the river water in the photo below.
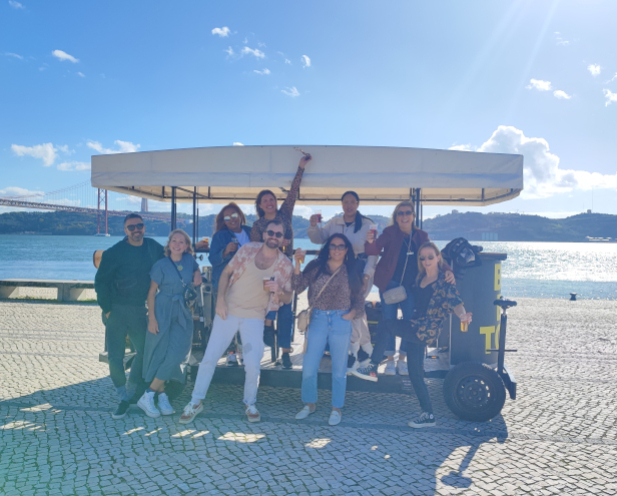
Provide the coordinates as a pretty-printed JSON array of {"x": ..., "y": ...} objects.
[{"x": 537, "y": 270}]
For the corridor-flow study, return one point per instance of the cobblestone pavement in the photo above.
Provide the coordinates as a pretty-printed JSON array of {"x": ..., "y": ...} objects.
[{"x": 558, "y": 437}]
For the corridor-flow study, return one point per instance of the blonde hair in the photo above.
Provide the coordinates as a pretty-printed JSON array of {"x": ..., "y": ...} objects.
[
  {"x": 421, "y": 270},
  {"x": 189, "y": 247},
  {"x": 405, "y": 203}
]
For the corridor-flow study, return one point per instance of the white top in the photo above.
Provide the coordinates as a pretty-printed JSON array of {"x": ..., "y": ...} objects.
[
  {"x": 319, "y": 235},
  {"x": 242, "y": 237},
  {"x": 380, "y": 175}
]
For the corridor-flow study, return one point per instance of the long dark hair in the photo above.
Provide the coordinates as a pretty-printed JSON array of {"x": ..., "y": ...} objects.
[
  {"x": 358, "y": 220},
  {"x": 219, "y": 222},
  {"x": 262, "y": 193},
  {"x": 321, "y": 262}
]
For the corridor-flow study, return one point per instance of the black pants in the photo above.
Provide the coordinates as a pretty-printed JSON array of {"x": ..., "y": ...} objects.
[
  {"x": 415, "y": 355},
  {"x": 132, "y": 321}
]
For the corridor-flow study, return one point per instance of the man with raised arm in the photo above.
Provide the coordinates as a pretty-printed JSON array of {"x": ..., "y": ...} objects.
[
  {"x": 122, "y": 283},
  {"x": 256, "y": 280}
]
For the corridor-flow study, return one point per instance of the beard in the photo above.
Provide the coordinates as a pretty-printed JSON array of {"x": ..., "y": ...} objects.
[{"x": 272, "y": 243}]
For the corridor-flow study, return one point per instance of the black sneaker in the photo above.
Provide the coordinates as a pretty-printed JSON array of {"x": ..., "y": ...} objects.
[
  {"x": 121, "y": 410},
  {"x": 367, "y": 373},
  {"x": 286, "y": 361},
  {"x": 351, "y": 359},
  {"x": 424, "y": 420}
]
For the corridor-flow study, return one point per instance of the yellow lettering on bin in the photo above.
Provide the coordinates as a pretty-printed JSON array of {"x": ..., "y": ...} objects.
[
  {"x": 497, "y": 336},
  {"x": 488, "y": 331},
  {"x": 497, "y": 277}
]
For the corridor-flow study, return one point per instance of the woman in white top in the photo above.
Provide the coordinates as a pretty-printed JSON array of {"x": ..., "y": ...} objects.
[{"x": 354, "y": 226}]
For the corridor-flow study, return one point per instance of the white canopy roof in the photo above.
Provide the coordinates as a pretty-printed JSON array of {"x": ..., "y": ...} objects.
[{"x": 380, "y": 175}]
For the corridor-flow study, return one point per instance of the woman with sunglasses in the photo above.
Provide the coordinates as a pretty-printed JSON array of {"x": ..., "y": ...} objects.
[
  {"x": 398, "y": 244},
  {"x": 435, "y": 299},
  {"x": 335, "y": 296},
  {"x": 267, "y": 210},
  {"x": 230, "y": 233},
  {"x": 354, "y": 226}
]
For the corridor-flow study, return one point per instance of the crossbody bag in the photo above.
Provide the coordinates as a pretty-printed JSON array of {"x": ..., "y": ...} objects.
[
  {"x": 304, "y": 317},
  {"x": 189, "y": 294},
  {"x": 398, "y": 294}
]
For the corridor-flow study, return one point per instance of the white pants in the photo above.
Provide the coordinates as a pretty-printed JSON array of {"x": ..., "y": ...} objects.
[
  {"x": 361, "y": 336},
  {"x": 223, "y": 331}
]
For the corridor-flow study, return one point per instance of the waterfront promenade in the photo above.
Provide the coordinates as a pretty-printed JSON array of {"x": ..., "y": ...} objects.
[{"x": 558, "y": 437}]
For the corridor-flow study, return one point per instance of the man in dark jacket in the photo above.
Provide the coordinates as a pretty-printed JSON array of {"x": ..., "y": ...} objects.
[{"x": 122, "y": 283}]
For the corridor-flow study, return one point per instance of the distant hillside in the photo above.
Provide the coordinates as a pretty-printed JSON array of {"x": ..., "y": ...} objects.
[
  {"x": 471, "y": 225},
  {"x": 516, "y": 227}
]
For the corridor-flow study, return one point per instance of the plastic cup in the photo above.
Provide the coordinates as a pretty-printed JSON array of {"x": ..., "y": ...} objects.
[
  {"x": 464, "y": 327},
  {"x": 302, "y": 258},
  {"x": 266, "y": 279}
]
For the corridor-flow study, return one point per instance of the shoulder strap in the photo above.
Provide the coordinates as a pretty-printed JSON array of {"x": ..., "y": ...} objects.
[
  {"x": 324, "y": 286},
  {"x": 179, "y": 274},
  {"x": 406, "y": 259}
]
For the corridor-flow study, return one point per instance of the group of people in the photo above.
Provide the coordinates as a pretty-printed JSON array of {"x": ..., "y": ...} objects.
[{"x": 255, "y": 272}]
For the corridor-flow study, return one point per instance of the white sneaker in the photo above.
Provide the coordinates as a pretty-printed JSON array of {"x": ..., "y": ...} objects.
[
  {"x": 164, "y": 405},
  {"x": 390, "y": 368},
  {"x": 190, "y": 412},
  {"x": 146, "y": 403},
  {"x": 401, "y": 367},
  {"x": 252, "y": 414}
]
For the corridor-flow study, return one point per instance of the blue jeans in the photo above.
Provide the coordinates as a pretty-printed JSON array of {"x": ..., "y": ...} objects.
[
  {"x": 326, "y": 327},
  {"x": 284, "y": 326},
  {"x": 390, "y": 312}
]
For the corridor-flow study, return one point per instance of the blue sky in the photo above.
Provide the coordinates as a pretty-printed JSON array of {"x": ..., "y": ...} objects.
[{"x": 529, "y": 76}]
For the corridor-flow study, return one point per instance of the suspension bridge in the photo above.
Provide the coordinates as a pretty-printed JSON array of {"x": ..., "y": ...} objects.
[{"x": 84, "y": 198}]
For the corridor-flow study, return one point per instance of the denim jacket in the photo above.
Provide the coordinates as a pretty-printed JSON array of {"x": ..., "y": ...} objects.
[{"x": 220, "y": 240}]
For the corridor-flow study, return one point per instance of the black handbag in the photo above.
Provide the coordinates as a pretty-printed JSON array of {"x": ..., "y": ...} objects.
[{"x": 189, "y": 294}]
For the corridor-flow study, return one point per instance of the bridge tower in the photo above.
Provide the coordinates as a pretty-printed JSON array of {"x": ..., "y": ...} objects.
[
  {"x": 98, "y": 212},
  {"x": 144, "y": 205}
]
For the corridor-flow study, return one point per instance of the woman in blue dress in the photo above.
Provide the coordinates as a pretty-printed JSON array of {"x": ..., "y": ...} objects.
[
  {"x": 230, "y": 233},
  {"x": 170, "y": 323}
]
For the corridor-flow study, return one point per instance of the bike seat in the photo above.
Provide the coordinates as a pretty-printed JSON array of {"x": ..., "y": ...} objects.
[{"x": 505, "y": 304}]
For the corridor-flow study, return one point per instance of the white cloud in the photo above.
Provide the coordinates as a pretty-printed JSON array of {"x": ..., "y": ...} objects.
[
  {"x": 594, "y": 69},
  {"x": 542, "y": 176},
  {"x": 293, "y": 91},
  {"x": 306, "y": 61},
  {"x": 123, "y": 147},
  {"x": 74, "y": 166},
  {"x": 265, "y": 72},
  {"x": 222, "y": 32},
  {"x": 15, "y": 55},
  {"x": 237, "y": 143},
  {"x": 46, "y": 152},
  {"x": 62, "y": 56},
  {"x": 250, "y": 51},
  {"x": 229, "y": 51},
  {"x": 287, "y": 61},
  {"x": 539, "y": 84},
  {"x": 16, "y": 5},
  {"x": 13, "y": 191},
  {"x": 65, "y": 149},
  {"x": 562, "y": 95},
  {"x": 612, "y": 79},
  {"x": 560, "y": 40},
  {"x": 80, "y": 74},
  {"x": 610, "y": 97},
  {"x": 463, "y": 148},
  {"x": 261, "y": 45}
]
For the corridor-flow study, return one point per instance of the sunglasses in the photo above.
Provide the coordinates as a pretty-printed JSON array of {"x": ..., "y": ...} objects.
[
  {"x": 132, "y": 227},
  {"x": 430, "y": 257},
  {"x": 274, "y": 234},
  {"x": 227, "y": 218},
  {"x": 337, "y": 247},
  {"x": 400, "y": 213}
]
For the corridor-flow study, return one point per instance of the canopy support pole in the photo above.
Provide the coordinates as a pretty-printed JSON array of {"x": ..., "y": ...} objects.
[
  {"x": 415, "y": 199},
  {"x": 194, "y": 215},
  {"x": 173, "y": 208}
]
